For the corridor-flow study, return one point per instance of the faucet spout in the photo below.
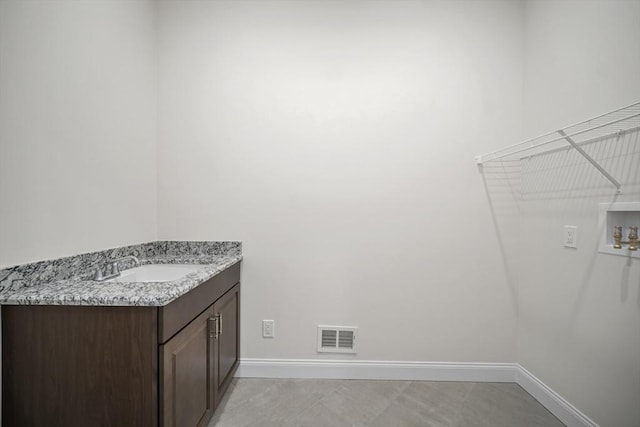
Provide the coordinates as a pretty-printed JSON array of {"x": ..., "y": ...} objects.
[
  {"x": 113, "y": 269},
  {"x": 135, "y": 260}
]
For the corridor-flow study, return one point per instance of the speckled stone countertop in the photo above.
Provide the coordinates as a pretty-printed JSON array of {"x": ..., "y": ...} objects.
[{"x": 66, "y": 281}]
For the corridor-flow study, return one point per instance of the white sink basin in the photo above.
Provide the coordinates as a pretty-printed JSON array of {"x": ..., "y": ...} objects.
[{"x": 156, "y": 273}]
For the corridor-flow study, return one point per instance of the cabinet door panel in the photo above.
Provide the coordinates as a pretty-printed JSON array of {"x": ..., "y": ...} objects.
[
  {"x": 187, "y": 375},
  {"x": 79, "y": 366},
  {"x": 227, "y": 342}
]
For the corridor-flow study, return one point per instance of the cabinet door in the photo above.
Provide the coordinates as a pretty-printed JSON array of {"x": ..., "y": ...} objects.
[
  {"x": 226, "y": 342},
  {"x": 187, "y": 375}
]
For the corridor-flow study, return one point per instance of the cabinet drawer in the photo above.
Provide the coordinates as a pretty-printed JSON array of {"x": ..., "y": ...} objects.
[{"x": 177, "y": 314}]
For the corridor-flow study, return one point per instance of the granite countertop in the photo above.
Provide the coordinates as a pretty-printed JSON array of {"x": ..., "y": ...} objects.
[{"x": 66, "y": 281}]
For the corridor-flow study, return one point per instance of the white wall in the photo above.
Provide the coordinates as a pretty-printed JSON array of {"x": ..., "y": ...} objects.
[
  {"x": 579, "y": 309},
  {"x": 336, "y": 140},
  {"x": 77, "y": 127}
]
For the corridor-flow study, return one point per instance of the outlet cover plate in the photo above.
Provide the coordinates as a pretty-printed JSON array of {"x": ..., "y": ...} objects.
[
  {"x": 268, "y": 329},
  {"x": 570, "y": 236}
]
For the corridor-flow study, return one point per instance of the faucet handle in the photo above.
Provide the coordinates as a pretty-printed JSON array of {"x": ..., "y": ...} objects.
[
  {"x": 114, "y": 268},
  {"x": 633, "y": 238},
  {"x": 98, "y": 274},
  {"x": 617, "y": 237}
]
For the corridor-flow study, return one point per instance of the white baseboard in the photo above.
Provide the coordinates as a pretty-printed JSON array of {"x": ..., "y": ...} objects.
[
  {"x": 377, "y": 370},
  {"x": 556, "y": 404},
  {"x": 417, "y": 371}
]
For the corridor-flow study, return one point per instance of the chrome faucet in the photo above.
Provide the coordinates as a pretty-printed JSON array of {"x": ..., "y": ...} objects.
[
  {"x": 113, "y": 270},
  {"x": 114, "y": 264}
]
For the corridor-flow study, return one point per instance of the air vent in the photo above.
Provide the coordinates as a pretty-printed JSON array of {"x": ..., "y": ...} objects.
[{"x": 337, "y": 339}]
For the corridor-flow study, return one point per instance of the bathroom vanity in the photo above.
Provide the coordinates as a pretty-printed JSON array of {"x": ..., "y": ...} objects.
[{"x": 139, "y": 364}]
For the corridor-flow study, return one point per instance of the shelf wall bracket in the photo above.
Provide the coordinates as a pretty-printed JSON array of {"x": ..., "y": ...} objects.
[{"x": 592, "y": 161}]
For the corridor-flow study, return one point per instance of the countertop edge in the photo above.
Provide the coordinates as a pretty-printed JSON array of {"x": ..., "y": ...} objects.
[{"x": 167, "y": 291}]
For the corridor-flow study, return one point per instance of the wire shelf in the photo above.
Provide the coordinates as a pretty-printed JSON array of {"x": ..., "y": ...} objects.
[{"x": 616, "y": 122}]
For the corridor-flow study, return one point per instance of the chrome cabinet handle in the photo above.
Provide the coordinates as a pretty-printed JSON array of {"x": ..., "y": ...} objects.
[
  {"x": 213, "y": 327},
  {"x": 219, "y": 324}
]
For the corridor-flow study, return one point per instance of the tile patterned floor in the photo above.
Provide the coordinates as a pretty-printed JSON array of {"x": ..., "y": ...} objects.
[{"x": 336, "y": 403}]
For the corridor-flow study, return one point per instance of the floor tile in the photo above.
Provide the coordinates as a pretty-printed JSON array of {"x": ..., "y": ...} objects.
[{"x": 352, "y": 403}]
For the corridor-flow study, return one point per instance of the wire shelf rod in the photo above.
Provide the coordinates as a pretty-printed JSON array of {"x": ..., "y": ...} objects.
[
  {"x": 564, "y": 128},
  {"x": 492, "y": 156},
  {"x": 568, "y": 147}
]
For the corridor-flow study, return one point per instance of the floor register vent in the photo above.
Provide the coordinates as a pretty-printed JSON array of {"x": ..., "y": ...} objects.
[{"x": 337, "y": 339}]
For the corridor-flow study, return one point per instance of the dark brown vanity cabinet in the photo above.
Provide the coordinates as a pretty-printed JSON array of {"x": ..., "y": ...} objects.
[{"x": 122, "y": 366}]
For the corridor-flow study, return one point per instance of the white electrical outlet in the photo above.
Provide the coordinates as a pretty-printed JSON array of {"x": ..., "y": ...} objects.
[
  {"x": 570, "y": 236},
  {"x": 268, "y": 329}
]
